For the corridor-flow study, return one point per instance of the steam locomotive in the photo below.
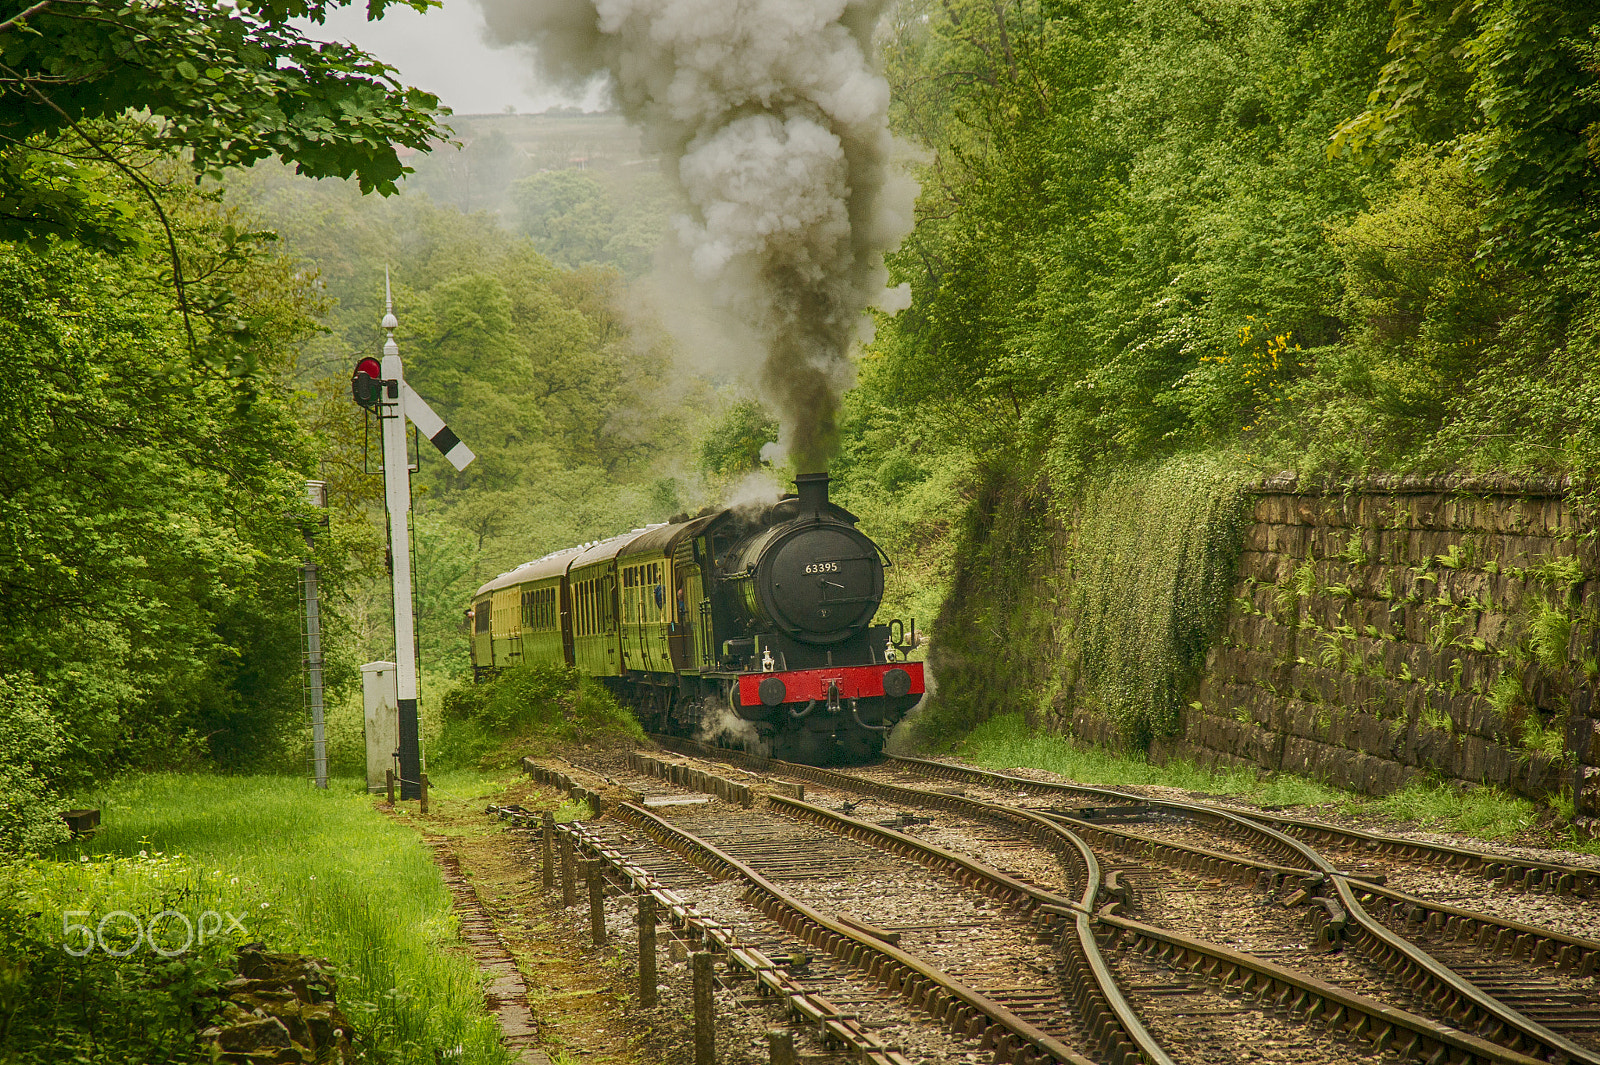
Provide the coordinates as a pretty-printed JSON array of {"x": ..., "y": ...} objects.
[{"x": 751, "y": 627}]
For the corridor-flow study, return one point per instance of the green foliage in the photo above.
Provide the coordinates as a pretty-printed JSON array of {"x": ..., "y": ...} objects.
[
  {"x": 148, "y": 550},
  {"x": 577, "y": 218},
  {"x": 574, "y": 418},
  {"x": 101, "y": 1008},
  {"x": 313, "y": 872},
  {"x": 1507, "y": 696},
  {"x": 1509, "y": 86},
  {"x": 32, "y": 750},
  {"x": 1005, "y": 742},
  {"x": 1112, "y": 612},
  {"x": 225, "y": 85},
  {"x": 1132, "y": 237},
  {"x": 550, "y": 704},
  {"x": 445, "y": 572},
  {"x": 1152, "y": 572},
  {"x": 732, "y": 446},
  {"x": 1485, "y": 813},
  {"x": 1550, "y": 635},
  {"x": 1549, "y": 740}
]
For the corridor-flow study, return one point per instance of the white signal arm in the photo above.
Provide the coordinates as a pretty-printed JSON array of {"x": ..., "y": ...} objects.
[{"x": 433, "y": 427}]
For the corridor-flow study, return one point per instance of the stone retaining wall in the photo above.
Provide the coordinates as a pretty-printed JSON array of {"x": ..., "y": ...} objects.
[{"x": 1408, "y": 626}]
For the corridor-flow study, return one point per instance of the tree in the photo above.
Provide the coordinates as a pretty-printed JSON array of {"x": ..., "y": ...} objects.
[
  {"x": 732, "y": 446},
  {"x": 147, "y": 541},
  {"x": 225, "y": 84}
]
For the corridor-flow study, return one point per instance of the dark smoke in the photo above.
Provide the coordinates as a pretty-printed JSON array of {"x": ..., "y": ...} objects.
[{"x": 775, "y": 125}]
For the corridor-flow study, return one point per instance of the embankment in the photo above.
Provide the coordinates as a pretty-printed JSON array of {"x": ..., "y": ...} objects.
[{"x": 1360, "y": 633}]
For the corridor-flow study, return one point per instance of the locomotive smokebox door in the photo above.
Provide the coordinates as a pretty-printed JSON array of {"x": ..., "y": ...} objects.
[{"x": 823, "y": 583}]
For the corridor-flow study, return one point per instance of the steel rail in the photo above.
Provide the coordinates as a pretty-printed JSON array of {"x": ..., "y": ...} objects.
[
  {"x": 1386, "y": 1027},
  {"x": 949, "y": 1001},
  {"x": 1092, "y": 986},
  {"x": 1424, "y": 973},
  {"x": 1539, "y": 947},
  {"x": 1516, "y": 873},
  {"x": 836, "y": 1024},
  {"x": 1107, "y": 1016},
  {"x": 1507, "y": 871},
  {"x": 1411, "y": 1035},
  {"x": 1284, "y": 989}
]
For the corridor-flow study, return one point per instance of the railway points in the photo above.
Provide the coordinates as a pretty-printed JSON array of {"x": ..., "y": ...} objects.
[{"x": 1194, "y": 911}]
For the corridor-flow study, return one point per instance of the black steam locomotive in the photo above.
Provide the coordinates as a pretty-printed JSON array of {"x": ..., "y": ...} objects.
[{"x": 750, "y": 627}]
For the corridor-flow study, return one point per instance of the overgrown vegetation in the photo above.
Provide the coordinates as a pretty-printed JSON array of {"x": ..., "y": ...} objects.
[
  {"x": 1338, "y": 239},
  {"x": 1109, "y": 607},
  {"x": 1152, "y": 568},
  {"x": 1006, "y": 741},
  {"x": 319, "y": 873},
  {"x": 528, "y": 709},
  {"x": 1153, "y": 226}
]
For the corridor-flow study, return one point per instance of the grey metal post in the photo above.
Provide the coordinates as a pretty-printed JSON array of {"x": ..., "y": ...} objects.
[
  {"x": 781, "y": 1042},
  {"x": 705, "y": 1029},
  {"x": 313, "y": 620},
  {"x": 647, "y": 951}
]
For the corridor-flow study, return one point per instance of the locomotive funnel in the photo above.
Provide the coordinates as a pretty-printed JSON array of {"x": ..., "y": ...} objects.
[{"x": 813, "y": 490}]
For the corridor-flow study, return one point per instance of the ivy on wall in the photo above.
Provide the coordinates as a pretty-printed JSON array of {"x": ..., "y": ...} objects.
[{"x": 1105, "y": 601}]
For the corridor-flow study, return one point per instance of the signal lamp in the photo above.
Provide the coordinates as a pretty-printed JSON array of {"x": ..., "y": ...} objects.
[{"x": 364, "y": 383}]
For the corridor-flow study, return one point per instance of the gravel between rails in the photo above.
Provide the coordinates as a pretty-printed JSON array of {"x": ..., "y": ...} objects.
[
  {"x": 1218, "y": 912},
  {"x": 1194, "y": 1023}
]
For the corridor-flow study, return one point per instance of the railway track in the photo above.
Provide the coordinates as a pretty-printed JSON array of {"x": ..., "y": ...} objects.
[
  {"x": 1505, "y": 871},
  {"x": 1555, "y": 1021}
]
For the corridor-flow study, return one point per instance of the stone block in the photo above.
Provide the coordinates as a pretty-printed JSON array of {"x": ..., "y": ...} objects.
[
  {"x": 1539, "y": 777},
  {"x": 1586, "y": 791},
  {"x": 1426, "y": 511},
  {"x": 1583, "y": 740},
  {"x": 1500, "y": 765}
]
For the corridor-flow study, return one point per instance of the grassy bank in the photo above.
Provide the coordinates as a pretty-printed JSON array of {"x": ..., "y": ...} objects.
[
  {"x": 1483, "y": 813},
  {"x": 319, "y": 873}
]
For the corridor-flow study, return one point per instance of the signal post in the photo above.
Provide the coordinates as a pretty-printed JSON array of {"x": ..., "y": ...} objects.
[{"x": 382, "y": 388}]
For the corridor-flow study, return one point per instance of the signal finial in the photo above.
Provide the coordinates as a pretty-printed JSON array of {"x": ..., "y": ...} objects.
[{"x": 390, "y": 322}]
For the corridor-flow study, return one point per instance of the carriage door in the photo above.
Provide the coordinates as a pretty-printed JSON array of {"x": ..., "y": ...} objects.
[
  {"x": 647, "y": 618},
  {"x": 608, "y": 622},
  {"x": 682, "y": 594},
  {"x": 694, "y": 619}
]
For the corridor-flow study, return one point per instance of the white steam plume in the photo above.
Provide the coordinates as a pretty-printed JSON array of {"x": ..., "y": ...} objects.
[{"x": 775, "y": 124}]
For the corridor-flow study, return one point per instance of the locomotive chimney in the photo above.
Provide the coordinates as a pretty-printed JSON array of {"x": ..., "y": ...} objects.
[{"x": 813, "y": 489}]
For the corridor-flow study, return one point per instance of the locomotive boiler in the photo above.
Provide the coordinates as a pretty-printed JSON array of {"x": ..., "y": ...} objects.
[{"x": 754, "y": 627}]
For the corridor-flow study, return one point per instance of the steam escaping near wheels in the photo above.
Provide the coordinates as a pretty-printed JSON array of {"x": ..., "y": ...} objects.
[{"x": 773, "y": 123}]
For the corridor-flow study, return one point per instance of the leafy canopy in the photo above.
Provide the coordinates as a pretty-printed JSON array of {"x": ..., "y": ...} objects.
[{"x": 226, "y": 84}]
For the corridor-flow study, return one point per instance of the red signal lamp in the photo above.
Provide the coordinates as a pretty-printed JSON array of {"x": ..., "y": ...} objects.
[{"x": 364, "y": 383}]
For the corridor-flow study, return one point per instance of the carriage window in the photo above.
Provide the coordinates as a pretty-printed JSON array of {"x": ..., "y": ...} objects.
[{"x": 480, "y": 617}]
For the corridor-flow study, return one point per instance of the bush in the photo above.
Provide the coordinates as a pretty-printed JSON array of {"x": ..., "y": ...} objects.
[
  {"x": 32, "y": 747},
  {"x": 63, "y": 998},
  {"x": 555, "y": 704}
]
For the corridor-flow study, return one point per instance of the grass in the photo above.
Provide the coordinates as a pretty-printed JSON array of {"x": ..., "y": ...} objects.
[
  {"x": 1482, "y": 813},
  {"x": 1005, "y": 741},
  {"x": 321, "y": 873}
]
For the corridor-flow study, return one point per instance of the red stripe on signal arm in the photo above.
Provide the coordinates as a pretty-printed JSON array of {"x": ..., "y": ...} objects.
[{"x": 803, "y": 685}]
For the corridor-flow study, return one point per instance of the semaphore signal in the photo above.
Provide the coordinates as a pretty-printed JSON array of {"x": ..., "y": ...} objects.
[{"x": 381, "y": 388}]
